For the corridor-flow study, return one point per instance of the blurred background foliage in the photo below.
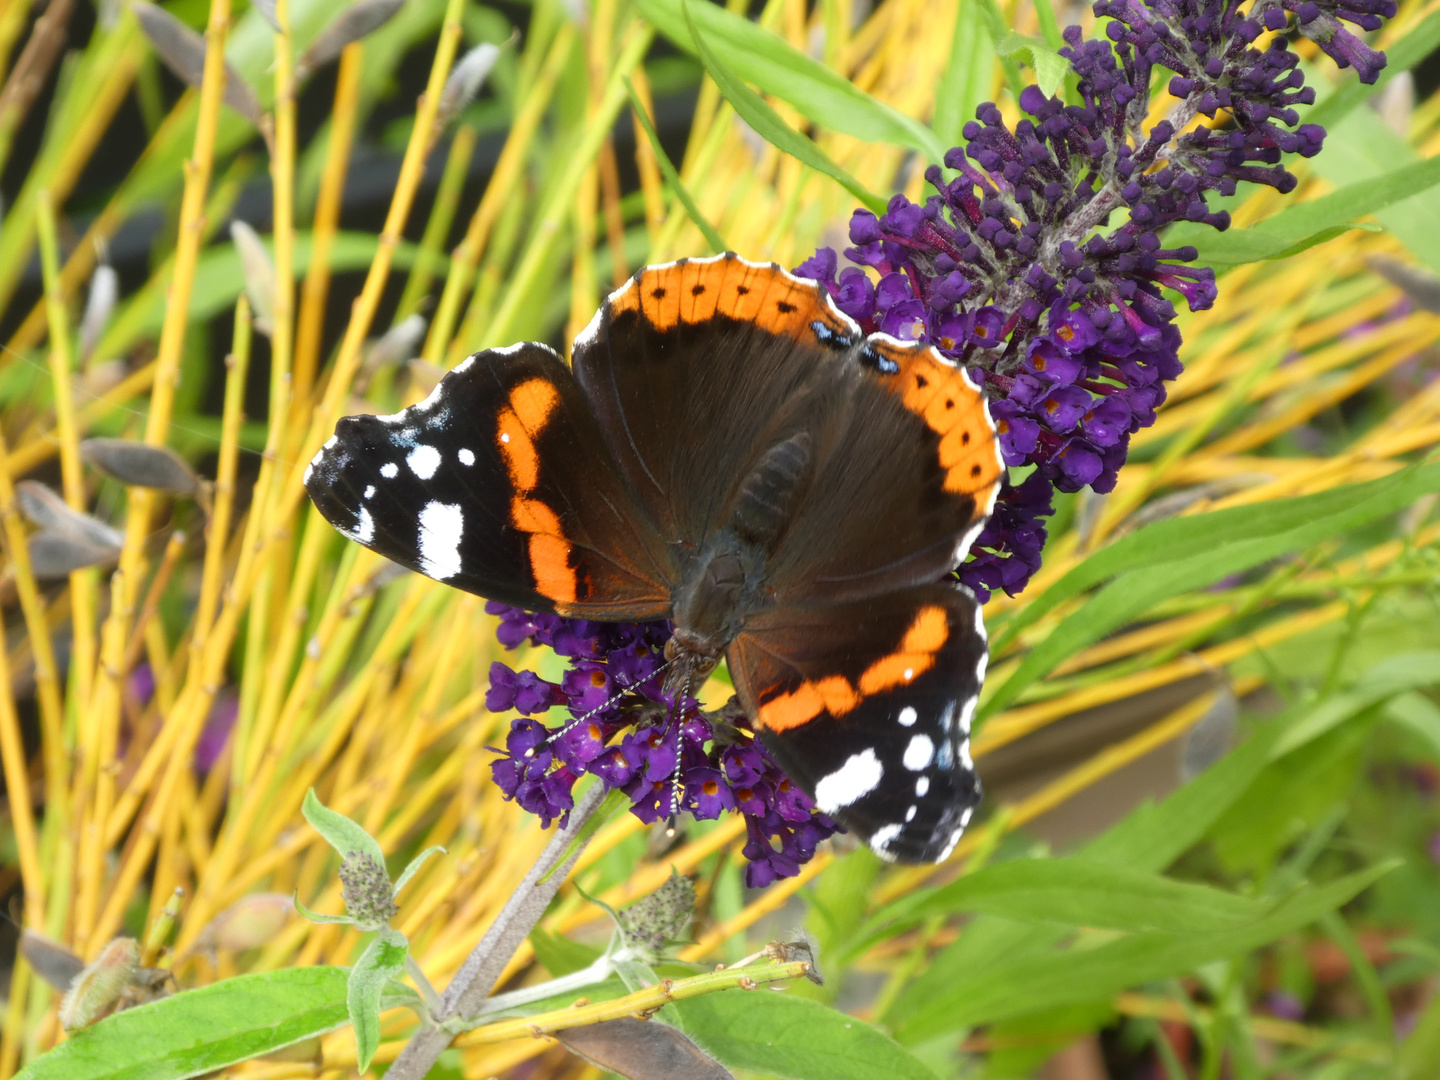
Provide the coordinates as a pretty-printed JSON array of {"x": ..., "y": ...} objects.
[{"x": 1267, "y": 727}]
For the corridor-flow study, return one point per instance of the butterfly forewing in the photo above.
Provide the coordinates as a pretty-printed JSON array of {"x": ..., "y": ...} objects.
[
  {"x": 867, "y": 705},
  {"x": 499, "y": 483}
]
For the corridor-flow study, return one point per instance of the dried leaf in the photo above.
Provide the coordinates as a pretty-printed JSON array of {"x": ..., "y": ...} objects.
[
  {"x": 99, "y": 988},
  {"x": 1396, "y": 103},
  {"x": 397, "y": 344},
  {"x": 248, "y": 923},
  {"x": 52, "y": 961},
  {"x": 259, "y": 274},
  {"x": 352, "y": 24},
  {"x": 642, "y": 1050},
  {"x": 99, "y": 305},
  {"x": 48, "y": 510},
  {"x": 266, "y": 8},
  {"x": 183, "y": 52},
  {"x": 1209, "y": 740},
  {"x": 140, "y": 465},
  {"x": 465, "y": 81},
  {"x": 53, "y": 556},
  {"x": 1422, "y": 286}
]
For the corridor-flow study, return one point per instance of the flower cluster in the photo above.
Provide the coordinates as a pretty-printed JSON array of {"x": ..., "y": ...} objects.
[
  {"x": 1012, "y": 268},
  {"x": 671, "y": 755}
]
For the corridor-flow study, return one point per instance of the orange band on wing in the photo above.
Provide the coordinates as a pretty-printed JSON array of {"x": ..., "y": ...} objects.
[
  {"x": 695, "y": 291},
  {"x": 924, "y": 638},
  {"x": 533, "y": 401},
  {"x": 940, "y": 394},
  {"x": 531, "y": 404}
]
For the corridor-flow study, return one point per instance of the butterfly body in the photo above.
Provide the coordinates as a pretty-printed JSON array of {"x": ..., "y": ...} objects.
[{"x": 729, "y": 452}]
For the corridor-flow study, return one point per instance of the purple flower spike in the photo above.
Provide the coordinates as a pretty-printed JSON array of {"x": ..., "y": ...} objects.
[
  {"x": 665, "y": 754},
  {"x": 1065, "y": 320}
]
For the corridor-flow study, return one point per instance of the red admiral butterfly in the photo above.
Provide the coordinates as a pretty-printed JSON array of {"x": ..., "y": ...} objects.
[{"x": 730, "y": 452}]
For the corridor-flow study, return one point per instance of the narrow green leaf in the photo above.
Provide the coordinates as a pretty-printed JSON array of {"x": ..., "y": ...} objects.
[
  {"x": 969, "y": 74},
  {"x": 773, "y": 64},
  {"x": 1397, "y": 675},
  {"x": 200, "y": 1031},
  {"x": 767, "y": 123},
  {"x": 1308, "y": 219},
  {"x": 672, "y": 176},
  {"x": 1153, "y": 836},
  {"x": 1077, "y": 892},
  {"x": 338, "y": 830},
  {"x": 317, "y": 917},
  {"x": 382, "y": 960},
  {"x": 1035, "y": 983},
  {"x": 1174, "y": 556},
  {"x": 414, "y": 868},
  {"x": 1237, "y": 246},
  {"x": 793, "y": 1038}
]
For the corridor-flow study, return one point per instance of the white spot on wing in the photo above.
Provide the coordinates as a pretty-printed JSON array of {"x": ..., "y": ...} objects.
[
  {"x": 908, "y": 716},
  {"x": 963, "y": 547},
  {"x": 882, "y": 838},
  {"x": 919, "y": 753},
  {"x": 365, "y": 527},
  {"x": 330, "y": 442},
  {"x": 441, "y": 526},
  {"x": 967, "y": 712},
  {"x": 423, "y": 461},
  {"x": 859, "y": 776},
  {"x": 980, "y": 624},
  {"x": 465, "y": 364},
  {"x": 309, "y": 472},
  {"x": 910, "y": 813},
  {"x": 369, "y": 491},
  {"x": 922, "y": 787},
  {"x": 389, "y": 470},
  {"x": 909, "y": 674},
  {"x": 467, "y": 456}
]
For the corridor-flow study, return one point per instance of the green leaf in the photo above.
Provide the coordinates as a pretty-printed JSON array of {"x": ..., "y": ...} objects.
[
  {"x": 1237, "y": 246},
  {"x": 1078, "y": 892},
  {"x": 1174, "y": 556},
  {"x": 382, "y": 960},
  {"x": 773, "y": 64},
  {"x": 414, "y": 867},
  {"x": 1034, "y": 983},
  {"x": 338, "y": 830},
  {"x": 1305, "y": 223},
  {"x": 751, "y": 108},
  {"x": 200, "y": 1031},
  {"x": 1152, "y": 837},
  {"x": 317, "y": 917},
  {"x": 1049, "y": 66},
  {"x": 969, "y": 74},
  {"x": 672, "y": 176},
  {"x": 1397, "y": 675},
  {"x": 793, "y": 1038},
  {"x": 560, "y": 955}
]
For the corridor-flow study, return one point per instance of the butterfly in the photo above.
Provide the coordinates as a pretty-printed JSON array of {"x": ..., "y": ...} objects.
[{"x": 729, "y": 451}]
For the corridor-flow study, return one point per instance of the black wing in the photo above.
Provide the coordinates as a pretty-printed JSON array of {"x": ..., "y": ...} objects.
[
  {"x": 867, "y": 706},
  {"x": 499, "y": 483}
]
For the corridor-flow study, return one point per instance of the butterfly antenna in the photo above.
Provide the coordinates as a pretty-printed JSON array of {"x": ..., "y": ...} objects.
[
  {"x": 679, "y": 750},
  {"x": 605, "y": 705}
]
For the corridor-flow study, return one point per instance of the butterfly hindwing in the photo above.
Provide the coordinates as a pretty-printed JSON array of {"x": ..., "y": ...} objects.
[
  {"x": 499, "y": 483},
  {"x": 867, "y": 705}
]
